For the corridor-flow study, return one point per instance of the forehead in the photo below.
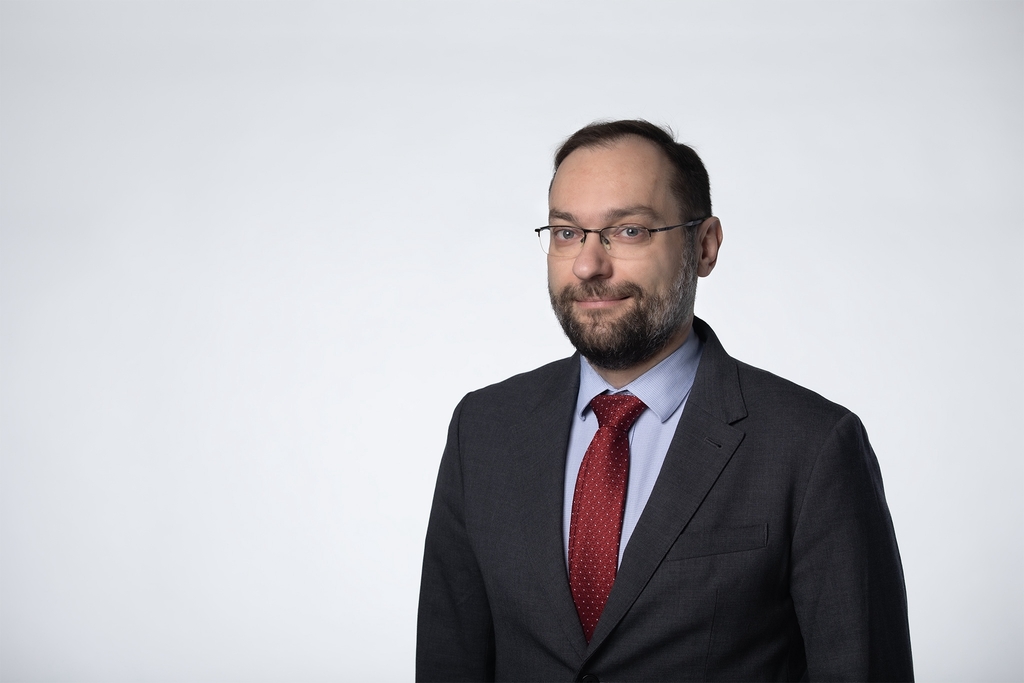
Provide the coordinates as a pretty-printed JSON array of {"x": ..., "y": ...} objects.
[{"x": 593, "y": 181}]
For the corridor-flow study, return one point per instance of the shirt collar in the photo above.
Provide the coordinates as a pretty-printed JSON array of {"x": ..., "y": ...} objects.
[{"x": 662, "y": 388}]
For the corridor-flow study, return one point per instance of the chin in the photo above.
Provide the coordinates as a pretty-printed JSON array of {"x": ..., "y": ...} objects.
[
  {"x": 596, "y": 325},
  {"x": 603, "y": 336}
]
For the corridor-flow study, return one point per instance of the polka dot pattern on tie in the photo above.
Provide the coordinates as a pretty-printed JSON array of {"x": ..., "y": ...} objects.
[{"x": 597, "y": 505}]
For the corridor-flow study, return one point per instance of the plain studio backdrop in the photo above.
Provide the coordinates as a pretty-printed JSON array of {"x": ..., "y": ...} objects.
[{"x": 253, "y": 254}]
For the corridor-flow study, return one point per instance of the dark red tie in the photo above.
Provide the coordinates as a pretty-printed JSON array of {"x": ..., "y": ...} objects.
[{"x": 597, "y": 506}]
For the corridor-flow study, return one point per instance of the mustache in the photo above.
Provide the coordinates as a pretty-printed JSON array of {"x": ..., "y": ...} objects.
[{"x": 598, "y": 289}]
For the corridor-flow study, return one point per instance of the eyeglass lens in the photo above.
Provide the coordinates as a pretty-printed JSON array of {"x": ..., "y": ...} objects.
[{"x": 567, "y": 242}]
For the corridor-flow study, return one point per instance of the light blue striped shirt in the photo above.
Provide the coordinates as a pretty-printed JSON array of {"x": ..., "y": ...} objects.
[{"x": 663, "y": 389}]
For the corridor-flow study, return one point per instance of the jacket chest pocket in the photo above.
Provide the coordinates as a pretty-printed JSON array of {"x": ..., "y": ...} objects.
[{"x": 718, "y": 541}]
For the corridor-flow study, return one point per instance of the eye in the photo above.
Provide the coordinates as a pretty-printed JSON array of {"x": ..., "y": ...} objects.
[
  {"x": 628, "y": 233},
  {"x": 563, "y": 234}
]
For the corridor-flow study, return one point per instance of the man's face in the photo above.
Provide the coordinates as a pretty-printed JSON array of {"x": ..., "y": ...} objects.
[{"x": 619, "y": 313}]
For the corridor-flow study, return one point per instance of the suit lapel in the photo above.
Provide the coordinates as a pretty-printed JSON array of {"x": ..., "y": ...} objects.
[
  {"x": 701, "y": 448},
  {"x": 545, "y": 438}
]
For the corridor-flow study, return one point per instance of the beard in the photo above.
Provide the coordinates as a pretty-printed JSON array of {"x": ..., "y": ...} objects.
[{"x": 617, "y": 343}]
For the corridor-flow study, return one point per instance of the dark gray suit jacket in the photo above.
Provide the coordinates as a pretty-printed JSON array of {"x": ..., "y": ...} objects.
[{"x": 765, "y": 552}]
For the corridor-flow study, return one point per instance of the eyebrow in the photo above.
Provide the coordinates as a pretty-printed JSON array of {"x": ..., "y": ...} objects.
[
  {"x": 611, "y": 216},
  {"x": 555, "y": 214}
]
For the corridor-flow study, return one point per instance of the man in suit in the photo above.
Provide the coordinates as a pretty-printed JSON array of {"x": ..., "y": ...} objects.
[{"x": 650, "y": 508}]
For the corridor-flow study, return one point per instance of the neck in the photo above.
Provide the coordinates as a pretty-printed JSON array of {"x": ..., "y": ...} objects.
[{"x": 622, "y": 377}]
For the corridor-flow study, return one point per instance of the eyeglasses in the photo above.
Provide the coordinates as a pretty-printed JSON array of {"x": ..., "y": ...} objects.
[{"x": 620, "y": 241}]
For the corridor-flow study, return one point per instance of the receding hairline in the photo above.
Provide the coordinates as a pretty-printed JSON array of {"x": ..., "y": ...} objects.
[
  {"x": 609, "y": 142},
  {"x": 689, "y": 181}
]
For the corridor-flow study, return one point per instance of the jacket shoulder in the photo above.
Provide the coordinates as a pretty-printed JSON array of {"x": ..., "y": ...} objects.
[
  {"x": 737, "y": 392},
  {"x": 765, "y": 391},
  {"x": 528, "y": 388}
]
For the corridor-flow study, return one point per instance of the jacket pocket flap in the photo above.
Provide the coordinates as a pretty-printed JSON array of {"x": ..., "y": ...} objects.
[{"x": 716, "y": 541}]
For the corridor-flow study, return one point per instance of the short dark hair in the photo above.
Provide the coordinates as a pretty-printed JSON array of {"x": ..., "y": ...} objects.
[{"x": 690, "y": 185}]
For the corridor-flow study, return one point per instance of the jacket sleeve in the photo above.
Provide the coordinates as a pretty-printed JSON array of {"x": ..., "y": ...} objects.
[
  {"x": 455, "y": 635},
  {"x": 847, "y": 579}
]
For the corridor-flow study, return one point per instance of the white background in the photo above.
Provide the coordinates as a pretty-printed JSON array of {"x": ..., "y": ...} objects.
[{"x": 253, "y": 254}]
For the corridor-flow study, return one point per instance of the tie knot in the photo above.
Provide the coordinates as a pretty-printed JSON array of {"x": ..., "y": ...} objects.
[{"x": 617, "y": 411}]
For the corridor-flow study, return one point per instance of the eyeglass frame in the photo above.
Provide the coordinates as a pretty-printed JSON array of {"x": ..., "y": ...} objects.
[{"x": 607, "y": 243}]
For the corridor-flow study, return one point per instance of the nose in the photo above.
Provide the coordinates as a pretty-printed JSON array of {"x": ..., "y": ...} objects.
[{"x": 593, "y": 262}]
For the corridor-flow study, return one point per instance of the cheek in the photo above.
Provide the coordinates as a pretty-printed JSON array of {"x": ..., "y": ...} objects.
[
  {"x": 647, "y": 274},
  {"x": 669, "y": 267},
  {"x": 559, "y": 274}
]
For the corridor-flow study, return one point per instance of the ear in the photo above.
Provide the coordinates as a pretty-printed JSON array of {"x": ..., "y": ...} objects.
[{"x": 709, "y": 239}]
